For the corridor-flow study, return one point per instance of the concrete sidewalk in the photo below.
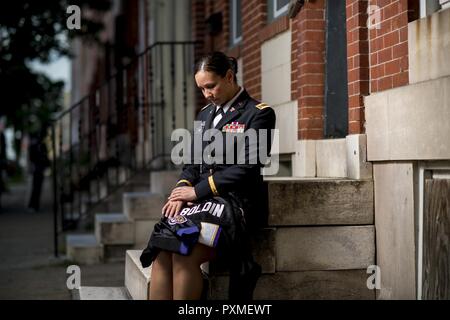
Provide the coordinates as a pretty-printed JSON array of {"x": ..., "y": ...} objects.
[{"x": 28, "y": 269}]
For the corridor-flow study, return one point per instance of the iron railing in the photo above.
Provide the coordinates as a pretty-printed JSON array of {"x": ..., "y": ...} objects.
[{"x": 119, "y": 128}]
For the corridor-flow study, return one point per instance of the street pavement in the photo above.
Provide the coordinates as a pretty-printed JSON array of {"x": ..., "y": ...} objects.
[{"x": 28, "y": 268}]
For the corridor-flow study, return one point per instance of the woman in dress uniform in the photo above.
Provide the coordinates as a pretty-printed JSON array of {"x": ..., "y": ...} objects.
[{"x": 211, "y": 187}]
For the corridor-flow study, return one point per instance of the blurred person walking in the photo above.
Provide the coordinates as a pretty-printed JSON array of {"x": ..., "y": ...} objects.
[
  {"x": 38, "y": 155},
  {"x": 2, "y": 158}
]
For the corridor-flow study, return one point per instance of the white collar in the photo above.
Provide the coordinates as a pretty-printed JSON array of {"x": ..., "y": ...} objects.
[{"x": 230, "y": 103}]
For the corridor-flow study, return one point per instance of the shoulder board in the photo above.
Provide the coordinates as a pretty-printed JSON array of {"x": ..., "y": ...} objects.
[{"x": 261, "y": 106}]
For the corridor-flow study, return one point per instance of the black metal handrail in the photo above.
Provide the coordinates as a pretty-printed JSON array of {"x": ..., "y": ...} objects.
[{"x": 121, "y": 127}]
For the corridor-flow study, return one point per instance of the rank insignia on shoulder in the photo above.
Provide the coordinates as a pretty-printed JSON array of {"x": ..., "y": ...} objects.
[
  {"x": 261, "y": 106},
  {"x": 234, "y": 127}
]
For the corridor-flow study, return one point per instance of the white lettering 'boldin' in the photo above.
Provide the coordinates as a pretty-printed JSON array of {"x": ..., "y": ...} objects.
[{"x": 213, "y": 208}]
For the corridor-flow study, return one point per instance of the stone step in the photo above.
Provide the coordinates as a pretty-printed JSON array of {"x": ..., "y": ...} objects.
[
  {"x": 332, "y": 256},
  {"x": 137, "y": 279},
  {"x": 115, "y": 252},
  {"x": 143, "y": 205},
  {"x": 324, "y": 248},
  {"x": 318, "y": 201},
  {"x": 114, "y": 229},
  {"x": 84, "y": 249},
  {"x": 163, "y": 182},
  {"x": 100, "y": 293},
  {"x": 311, "y": 248},
  {"x": 306, "y": 285}
]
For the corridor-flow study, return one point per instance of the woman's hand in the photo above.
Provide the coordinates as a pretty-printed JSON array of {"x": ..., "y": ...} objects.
[
  {"x": 186, "y": 194},
  {"x": 172, "y": 208}
]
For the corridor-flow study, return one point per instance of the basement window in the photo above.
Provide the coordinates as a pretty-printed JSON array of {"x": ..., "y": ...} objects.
[
  {"x": 428, "y": 7},
  {"x": 235, "y": 22},
  {"x": 276, "y": 9}
]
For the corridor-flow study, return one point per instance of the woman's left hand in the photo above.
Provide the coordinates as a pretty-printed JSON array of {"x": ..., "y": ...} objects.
[{"x": 183, "y": 194}]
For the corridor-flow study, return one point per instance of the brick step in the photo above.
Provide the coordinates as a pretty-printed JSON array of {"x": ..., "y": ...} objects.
[
  {"x": 101, "y": 293},
  {"x": 319, "y": 201}
]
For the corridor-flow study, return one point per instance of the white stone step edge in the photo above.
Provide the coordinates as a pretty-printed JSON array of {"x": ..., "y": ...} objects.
[
  {"x": 137, "y": 279},
  {"x": 85, "y": 244},
  {"x": 100, "y": 293}
]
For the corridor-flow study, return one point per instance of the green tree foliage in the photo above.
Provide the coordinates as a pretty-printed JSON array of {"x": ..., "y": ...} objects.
[{"x": 31, "y": 31}]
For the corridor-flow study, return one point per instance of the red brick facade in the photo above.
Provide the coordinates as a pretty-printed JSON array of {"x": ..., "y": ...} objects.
[
  {"x": 377, "y": 58},
  {"x": 389, "y": 46},
  {"x": 357, "y": 63},
  {"x": 308, "y": 68}
]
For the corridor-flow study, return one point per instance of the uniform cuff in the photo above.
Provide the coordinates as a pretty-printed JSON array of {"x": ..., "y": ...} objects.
[
  {"x": 183, "y": 183},
  {"x": 206, "y": 188}
]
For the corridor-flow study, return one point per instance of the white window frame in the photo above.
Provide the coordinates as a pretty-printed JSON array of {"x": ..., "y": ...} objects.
[
  {"x": 428, "y": 7},
  {"x": 444, "y": 4},
  {"x": 279, "y": 12},
  {"x": 234, "y": 38}
]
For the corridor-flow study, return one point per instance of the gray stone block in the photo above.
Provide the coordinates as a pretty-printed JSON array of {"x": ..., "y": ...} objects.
[
  {"x": 115, "y": 252},
  {"x": 315, "y": 285},
  {"x": 331, "y": 158},
  {"x": 320, "y": 202},
  {"x": 163, "y": 182},
  {"x": 143, "y": 205},
  {"x": 84, "y": 249},
  {"x": 113, "y": 228},
  {"x": 137, "y": 279},
  {"x": 307, "y": 285},
  {"x": 101, "y": 293},
  {"x": 325, "y": 248}
]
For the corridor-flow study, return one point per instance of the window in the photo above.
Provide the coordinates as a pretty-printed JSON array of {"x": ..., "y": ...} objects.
[
  {"x": 276, "y": 8},
  {"x": 235, "y": 22},
  {"x": 428, "y": 7}
]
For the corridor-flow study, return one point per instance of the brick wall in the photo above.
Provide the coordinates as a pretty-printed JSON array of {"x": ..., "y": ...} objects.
[
  {"x": 389, "y": 46},
  {"x": 308, "y": 68},
  {"x": 254, "y": 19},
  {"x": 357, "y": 63}
]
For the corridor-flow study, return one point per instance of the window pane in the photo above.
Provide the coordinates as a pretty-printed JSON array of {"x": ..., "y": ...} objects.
[
  {"x": 238, "y": 19},
  {"x": 281, "y": 3}
]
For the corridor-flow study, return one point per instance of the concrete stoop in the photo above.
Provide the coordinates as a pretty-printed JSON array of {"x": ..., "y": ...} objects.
[
  {"x": 100, "y": 293},
  {"x": 319, "y": 242},
  {"x": 300, "y": 262}
]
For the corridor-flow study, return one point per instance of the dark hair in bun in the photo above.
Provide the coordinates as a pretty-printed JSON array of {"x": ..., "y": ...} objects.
[{"x": 217, "y": 62}]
